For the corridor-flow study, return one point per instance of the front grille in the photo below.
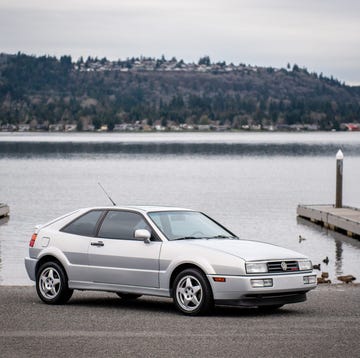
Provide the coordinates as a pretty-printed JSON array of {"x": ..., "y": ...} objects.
[{"x": 278, "y": 266}]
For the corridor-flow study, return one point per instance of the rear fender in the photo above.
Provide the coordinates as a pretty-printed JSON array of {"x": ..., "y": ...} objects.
[{"x": 56, "y": 254}]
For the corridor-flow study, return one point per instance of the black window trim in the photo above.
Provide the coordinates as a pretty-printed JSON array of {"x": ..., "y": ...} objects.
[
  {"x": 77, "y": 218},
  {"x": 154, "y": 235}
]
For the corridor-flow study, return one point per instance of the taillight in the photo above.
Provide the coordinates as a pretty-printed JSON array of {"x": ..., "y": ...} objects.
[{"x": 32, "y": 240}]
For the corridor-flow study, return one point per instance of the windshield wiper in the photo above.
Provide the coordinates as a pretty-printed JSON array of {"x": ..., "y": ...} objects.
[
  {"x": 187, "y": 238},
  {"x": 222, "y": 237},
  {"x": 206, "y": 237}
]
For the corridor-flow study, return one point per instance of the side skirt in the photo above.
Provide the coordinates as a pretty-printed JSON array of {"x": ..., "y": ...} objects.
[{"x": 95, "y": 286}]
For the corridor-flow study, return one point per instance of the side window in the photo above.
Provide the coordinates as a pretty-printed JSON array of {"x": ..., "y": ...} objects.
[
  {"x": 85, "y": 225},
  {"x": 122, "y": 225}
]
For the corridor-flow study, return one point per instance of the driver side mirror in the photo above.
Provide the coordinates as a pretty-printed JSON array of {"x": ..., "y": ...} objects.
[{"x": 143, "y": 234}]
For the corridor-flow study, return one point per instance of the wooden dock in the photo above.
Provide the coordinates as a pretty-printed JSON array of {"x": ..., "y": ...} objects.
[
  {"x": 4, "y": 210},
  {"x": 345, "y": 220}
]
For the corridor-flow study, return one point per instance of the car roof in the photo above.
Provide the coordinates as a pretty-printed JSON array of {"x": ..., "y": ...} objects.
[
  {"x": 144, "y": 209},
  {"x": 140, "y": 208}
]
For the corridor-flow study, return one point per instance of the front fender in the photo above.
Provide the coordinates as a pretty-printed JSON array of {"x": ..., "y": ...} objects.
[
  {"x": 167, "y": 268},
  {"x": 210, "y": 261}
]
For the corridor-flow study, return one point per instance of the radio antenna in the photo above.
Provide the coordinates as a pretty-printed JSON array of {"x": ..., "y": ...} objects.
[{"x": 106, "y": 194}]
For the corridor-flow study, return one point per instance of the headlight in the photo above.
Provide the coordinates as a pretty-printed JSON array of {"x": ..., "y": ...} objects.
[
  {"x": 305, "y": 265},
  {"x": 256, "y": 267}
]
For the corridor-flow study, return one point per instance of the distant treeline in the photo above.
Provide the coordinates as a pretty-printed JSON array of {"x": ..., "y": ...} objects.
[{"x": 41, "y": 91}]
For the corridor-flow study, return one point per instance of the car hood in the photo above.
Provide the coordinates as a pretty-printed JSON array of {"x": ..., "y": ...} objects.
[{"x": 247, "y": 249}]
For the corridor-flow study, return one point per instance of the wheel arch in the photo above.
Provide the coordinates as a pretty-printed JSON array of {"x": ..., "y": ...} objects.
[
  {"x": 49, "y": 290},
  {"x": 182, "y": 267},
  {"x": 49, "y": 258}
]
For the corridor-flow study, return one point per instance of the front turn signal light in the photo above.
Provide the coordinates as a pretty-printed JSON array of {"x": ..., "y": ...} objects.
[{"x": 219, "y": 279}]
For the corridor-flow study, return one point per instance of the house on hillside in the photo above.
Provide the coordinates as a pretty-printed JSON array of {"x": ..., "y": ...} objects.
[
  {"x": 351, "y": 127},
  {"x": 23, "y": 127},
  {"x": 70, "y": 127}
]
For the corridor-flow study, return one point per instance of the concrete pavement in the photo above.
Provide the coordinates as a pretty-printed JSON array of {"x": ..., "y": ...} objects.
[{"x": 95, "y": 324}]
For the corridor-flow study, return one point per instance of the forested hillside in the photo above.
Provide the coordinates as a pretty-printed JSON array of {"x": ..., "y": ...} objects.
[{"x": 41, "y": 91}]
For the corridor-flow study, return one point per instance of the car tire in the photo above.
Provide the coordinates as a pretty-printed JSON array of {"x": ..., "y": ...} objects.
[
  {"x": 128, "y": 296},
  {"x": 192, "y": 293},
  {"x": 52, "y": 284}
]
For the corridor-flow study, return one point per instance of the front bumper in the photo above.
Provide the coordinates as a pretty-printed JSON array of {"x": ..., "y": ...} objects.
[
  {"x": 267, "y": 299},
  {"x": 237, "y": 290},
  {"x": 30, "y": 265}
]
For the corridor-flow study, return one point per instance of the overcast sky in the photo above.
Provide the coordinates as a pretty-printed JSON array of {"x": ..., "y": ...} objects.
[{"x": 321, "y": 35}]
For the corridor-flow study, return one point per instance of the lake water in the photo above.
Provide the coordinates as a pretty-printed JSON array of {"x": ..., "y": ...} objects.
[{"x": 250, "y": 182}]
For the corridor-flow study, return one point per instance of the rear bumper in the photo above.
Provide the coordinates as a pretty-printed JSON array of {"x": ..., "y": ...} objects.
[
  {"x": 237, "y": 290},
  {"x": 30, "y": 265}
]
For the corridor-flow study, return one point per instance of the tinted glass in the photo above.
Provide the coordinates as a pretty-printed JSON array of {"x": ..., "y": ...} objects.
[
  {"x": 185, "y": 224},
  {"x": 122, "y": 225},
  {"x": 84, "y": 225}
]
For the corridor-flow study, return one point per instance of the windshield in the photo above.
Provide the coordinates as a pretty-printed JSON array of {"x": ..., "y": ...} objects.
[{"x": 181, "y": 225}]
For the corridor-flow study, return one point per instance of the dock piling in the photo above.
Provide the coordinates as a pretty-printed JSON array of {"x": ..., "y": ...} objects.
[
  {"x": 339, "y": 178},
  {"x": 343, "y": 219}
]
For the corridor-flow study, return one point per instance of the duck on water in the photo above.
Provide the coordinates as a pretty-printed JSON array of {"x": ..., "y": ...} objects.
[{"x": 4, "y": 210}]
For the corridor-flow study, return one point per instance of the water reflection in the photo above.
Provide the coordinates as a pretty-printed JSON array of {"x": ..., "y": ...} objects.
[
  {"x": 4, "y": 220},
  {"x": 0, "y": 260},
  {"x": 339, "y": 240},
  {"x": 29, "y": 149},
  {"x": 339, "y": 257}
]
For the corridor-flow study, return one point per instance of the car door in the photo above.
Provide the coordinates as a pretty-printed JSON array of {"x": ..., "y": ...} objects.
[
  {"x": 74, "y": 239},
  {"x": 116, "y": 257}
]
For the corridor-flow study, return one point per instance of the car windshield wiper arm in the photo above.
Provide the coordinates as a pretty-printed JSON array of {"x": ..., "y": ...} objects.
[
  {"x": 222, "y": 237},
  {"x": 206, "y": 237},
  {"x": 187, "y": 238}
]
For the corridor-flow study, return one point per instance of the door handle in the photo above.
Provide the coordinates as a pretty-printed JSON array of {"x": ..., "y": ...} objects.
[{"x": 98, "y": 243}]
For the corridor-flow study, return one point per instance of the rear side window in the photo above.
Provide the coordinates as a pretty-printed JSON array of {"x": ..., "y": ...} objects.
[
  {"x": 85, "y": 225},
  {"x": 122, "y": 225}
]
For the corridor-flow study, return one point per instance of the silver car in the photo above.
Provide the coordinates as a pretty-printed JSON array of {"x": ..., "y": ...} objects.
[{"x": 163, "y": 251}]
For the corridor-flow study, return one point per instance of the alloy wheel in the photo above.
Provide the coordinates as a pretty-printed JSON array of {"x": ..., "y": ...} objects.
[
  {"x": 189, "y": 293},
  {"x": 50, "y": 283}
]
